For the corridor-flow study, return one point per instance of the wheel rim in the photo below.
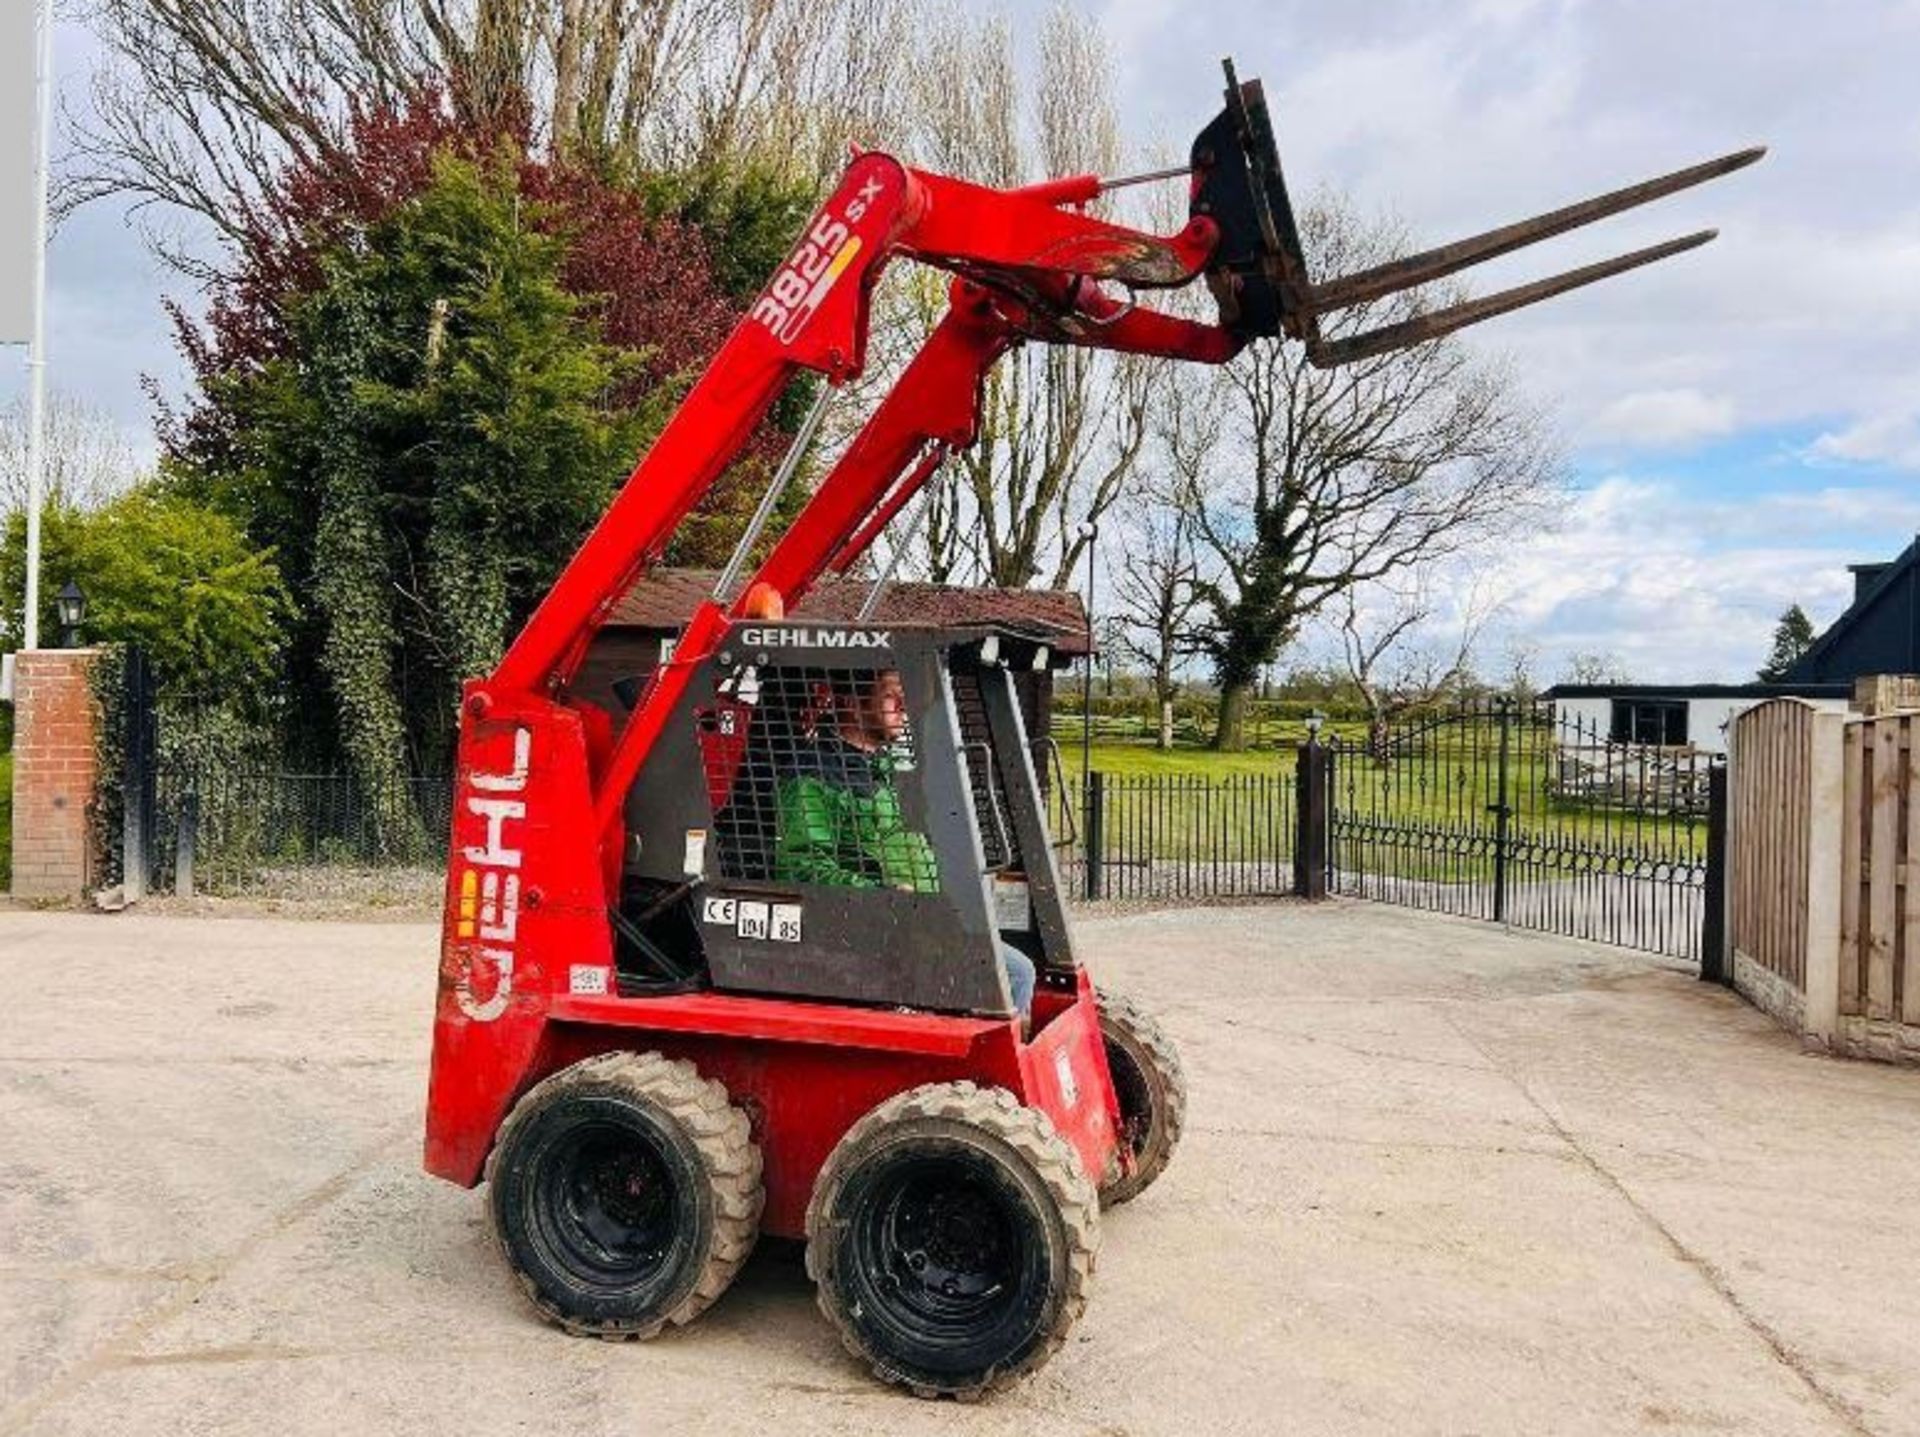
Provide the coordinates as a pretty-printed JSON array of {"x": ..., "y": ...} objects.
[
  {"x": 941, "y": 1251},
  {"x": 608, "y": 1204}
]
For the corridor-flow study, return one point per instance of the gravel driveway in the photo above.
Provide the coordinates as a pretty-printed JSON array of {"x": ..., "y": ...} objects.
[{"x": 1438, "y": 1178}]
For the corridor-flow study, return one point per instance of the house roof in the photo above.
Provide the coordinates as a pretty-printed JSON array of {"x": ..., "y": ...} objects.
[
  {"x": 1699, "y": 691},
  {"x": 665, "y": 599},
  {"x": 1878, "y": 582}
]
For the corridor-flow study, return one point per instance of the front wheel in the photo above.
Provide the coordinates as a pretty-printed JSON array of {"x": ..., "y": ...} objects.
[
  {"x": 626, "y": 1194},
  {"x": 953, "y": 1234}
]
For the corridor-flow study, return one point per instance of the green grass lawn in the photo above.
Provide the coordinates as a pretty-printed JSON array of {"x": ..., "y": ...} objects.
[
  {"x": 1433, "y": 805},
  {"x": 1137, "y": 757},
  {"x": 1134, "y": 760}
]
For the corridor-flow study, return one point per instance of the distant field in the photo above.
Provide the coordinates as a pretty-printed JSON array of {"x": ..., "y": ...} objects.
[
  {"x": 1128, "y": 760},
  {"x": 1130, "y": 756}
]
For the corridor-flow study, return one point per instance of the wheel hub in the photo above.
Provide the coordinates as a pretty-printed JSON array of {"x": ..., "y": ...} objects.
[
  {"x": 941, "y": 1250},
  {"x": 616, "y": 1207},
  {"x": 953, "y": 1243}
]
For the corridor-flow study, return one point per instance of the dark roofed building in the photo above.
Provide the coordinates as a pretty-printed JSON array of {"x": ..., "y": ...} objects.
[
  {"x": 664, "y": 601},
  {"x": 1674, "y": 715},
  {"x": 659, "y": 606},
  {"x": 1878, "y": 634}
]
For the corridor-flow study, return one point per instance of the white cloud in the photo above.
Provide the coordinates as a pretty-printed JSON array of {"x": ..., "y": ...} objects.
[
  {"x": 1686, "y": 589},
  {"x": 1658, "y": 417},
  {"x": 1882, "y": 439},
  {"x": 1806, "y": 312}
]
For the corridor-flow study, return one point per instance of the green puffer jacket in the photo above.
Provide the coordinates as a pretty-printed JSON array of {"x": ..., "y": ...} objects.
[{"x": 840, "y": 823}]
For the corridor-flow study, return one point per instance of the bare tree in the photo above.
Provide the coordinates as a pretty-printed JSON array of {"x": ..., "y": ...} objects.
[
  {"x": 1341, "y": 478},
  {"x": 1522, "y": 664},
  {"x": 1062, "y": 429},
  {"x": 198, "y": 103},
  {"x": 1158, "y": 583},
  {"x": 1156, "y": 595},
  {"x": 1063, "y": 432},
  {"x": 88, "y": 459},
  {"x": 1592, "y": 667},
  {"x": 1398, "y": 654}
]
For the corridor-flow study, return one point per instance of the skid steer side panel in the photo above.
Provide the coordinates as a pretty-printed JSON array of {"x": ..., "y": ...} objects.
[
  {"x": 1064, "y": 1074},
  {"x": 524, "y": 920},
  {"x": 800, "y": 1096}
]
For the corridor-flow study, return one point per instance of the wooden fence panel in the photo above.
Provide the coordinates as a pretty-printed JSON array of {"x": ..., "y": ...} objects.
[
  {"x": 1909, "y": 936},
  {"x": 1854, "y": 819},
  {"x": 1824, "y": 874},
  {"x": 1909, "y": 951},
  {"x": 1770, "y": 800},
  {"x": 1880, "y": 892}
]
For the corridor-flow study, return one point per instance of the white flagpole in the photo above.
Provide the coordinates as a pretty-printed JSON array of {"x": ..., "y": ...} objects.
[{"x": 37, "y": 354}]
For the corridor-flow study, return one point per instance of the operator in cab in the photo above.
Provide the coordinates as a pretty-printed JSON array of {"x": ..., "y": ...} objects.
[{"x": 839, "y": 819}]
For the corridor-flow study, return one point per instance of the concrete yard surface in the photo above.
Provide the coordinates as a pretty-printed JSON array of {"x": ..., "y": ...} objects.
[{"x": 1438, "y": 1178}]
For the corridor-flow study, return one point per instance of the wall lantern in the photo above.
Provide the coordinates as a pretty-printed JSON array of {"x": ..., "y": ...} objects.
[{"x": 72, "y": 604}]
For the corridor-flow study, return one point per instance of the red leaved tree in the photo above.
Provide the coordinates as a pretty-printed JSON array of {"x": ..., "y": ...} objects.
[{"x": 649, "y": 279}]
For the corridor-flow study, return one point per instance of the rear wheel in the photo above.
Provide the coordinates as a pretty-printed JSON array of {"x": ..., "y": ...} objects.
[
  {"x": 626, "y": 1194},
  {"x": 1152, "y": 1089},
  {"x": 953, "y": 1234}
]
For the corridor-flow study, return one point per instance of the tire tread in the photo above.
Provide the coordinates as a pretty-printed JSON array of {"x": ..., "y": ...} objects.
[
  {"x": 1118, "y": 1010},
  {"x": 724, "y": 1139},
  {"x": 1031, "y": 1135}
]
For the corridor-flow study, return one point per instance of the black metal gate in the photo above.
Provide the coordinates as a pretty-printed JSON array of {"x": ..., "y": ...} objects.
[{"x": 1515, "y": 813}]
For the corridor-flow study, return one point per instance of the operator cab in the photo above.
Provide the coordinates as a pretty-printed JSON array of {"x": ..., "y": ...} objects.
[{"x": 855, "y": 813}]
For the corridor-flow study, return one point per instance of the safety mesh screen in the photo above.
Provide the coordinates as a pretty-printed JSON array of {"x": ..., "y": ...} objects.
[
  {"x": 984, "y": 776},
  {"x": 804, "y": 768}
]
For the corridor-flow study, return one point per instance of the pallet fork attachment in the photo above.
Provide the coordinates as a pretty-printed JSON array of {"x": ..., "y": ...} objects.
[{"x": 1261, "y": 280}]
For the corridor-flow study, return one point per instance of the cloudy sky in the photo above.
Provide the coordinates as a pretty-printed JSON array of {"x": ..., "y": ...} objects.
[{"x": 1743, "y": 421}]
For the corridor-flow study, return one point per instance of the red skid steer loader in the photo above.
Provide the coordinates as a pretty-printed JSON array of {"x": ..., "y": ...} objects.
[{"x": 748, "y": 960}]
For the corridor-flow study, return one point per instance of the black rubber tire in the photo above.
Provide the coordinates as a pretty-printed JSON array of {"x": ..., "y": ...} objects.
[
  {"x": 1012, "y": 1215},
  {"x": 626, "y": 1194},
  {"x": 1152, "y": 1088}
]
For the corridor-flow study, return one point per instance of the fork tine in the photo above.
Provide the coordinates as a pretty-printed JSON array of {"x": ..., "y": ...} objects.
[
  {"x": 1449, "y": 259},
  {"x": 1330, "y": 354}
]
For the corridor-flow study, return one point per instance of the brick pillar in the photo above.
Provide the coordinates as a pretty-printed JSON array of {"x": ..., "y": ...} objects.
[{"x": 54, "y": 720}]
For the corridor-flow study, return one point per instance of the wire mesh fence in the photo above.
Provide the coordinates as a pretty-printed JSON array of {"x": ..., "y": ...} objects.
[
  {"x": 238, "y": 832},
  {"x": 1502, "y": 812},
  {"x": 1176, "y": 836}
]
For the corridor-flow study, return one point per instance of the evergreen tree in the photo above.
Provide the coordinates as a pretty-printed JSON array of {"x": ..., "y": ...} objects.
[
  {"x": 442, "y": 428},
  {"x": 160, "y": 571},
  {"x": 1792, "y": 637},
  {"x": 420, "y": 376}
]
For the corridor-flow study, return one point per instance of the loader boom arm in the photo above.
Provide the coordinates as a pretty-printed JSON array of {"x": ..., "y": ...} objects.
[{"x": 1029, "y": 264}]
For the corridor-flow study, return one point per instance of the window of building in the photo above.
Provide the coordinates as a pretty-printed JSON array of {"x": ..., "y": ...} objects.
[{"x": 1662, "y": 722}]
